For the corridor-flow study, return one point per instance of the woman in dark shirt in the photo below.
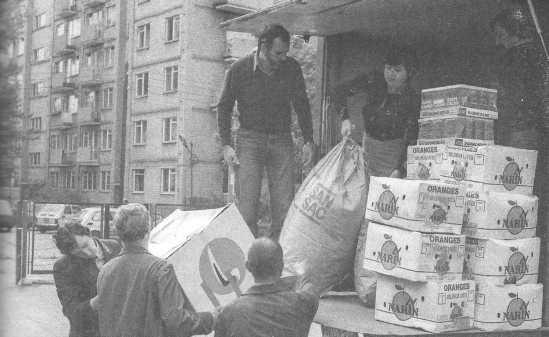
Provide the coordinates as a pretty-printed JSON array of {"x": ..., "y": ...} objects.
[{"x": 390, "y": 115}]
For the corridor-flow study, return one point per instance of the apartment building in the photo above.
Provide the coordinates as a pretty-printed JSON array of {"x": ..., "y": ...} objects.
[
  {"x": 177, "y": 60},
  {"x": 74, "y": 76}
]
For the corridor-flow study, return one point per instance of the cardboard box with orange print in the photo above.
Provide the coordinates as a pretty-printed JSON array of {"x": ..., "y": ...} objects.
[
  {"x": 431, "y": 306},
  {"x": 499, "y": 215},
  {"x": 501, "y": 262},
  {"x": 412, "y": 255},
  {"x": 424, "y": 161},
  {"x": 510, "y": 307},
  {"x": 499, "y": 168},
  {"x": 426, "y": 206}
]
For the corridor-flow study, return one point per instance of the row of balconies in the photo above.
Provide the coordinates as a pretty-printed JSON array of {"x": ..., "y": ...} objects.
[
  {"x": 69, "y": 8},
  {"x": 83, "y": 155},
  {"x": 91, "y": 36},
  {"x": 87, "y": 77}
]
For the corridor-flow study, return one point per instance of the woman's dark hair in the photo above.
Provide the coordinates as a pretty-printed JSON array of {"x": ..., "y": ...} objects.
[
  {"x": 402, "y": 56},
  {"x": 64, "y": 238},
  {"x": 515, "y": 21},
  {"x": 270, "y": 33}
]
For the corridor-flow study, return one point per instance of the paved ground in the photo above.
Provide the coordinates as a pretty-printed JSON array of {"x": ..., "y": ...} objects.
[{"x": 34, "y": 310}]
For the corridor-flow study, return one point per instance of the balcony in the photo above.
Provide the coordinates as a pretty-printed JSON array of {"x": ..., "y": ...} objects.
[
  {"x": 93, "y": 3},
  {"x": 65, "y": 9},
  {"x": 87, "y": 156},
  {"x": 63, "y": 84},
  {"x": 65, "y": 121},
  {"x": 88, "y": 116},
  {"x": 91, "y": 76},
  {"x": 60, "y": 157},
  {"x": 94, "y": 36},
  {"x": 238, "y": 7},
  {"x": 64, "y": 47}
]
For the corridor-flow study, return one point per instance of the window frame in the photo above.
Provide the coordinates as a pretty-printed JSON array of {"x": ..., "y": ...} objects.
[
  {"x": 134, "y": 177},
  {"x": 106, "y": 139},
  {"x": 144, "y": 78},
  {"x": 173, "y": 81},
  {"x": 108, "y": 97},
  {"x": 108, "y": 57},
  {"x": 172, "y": 27},
  {"x": 142, "y": 126},
  {"x": 169, "y": 124},
  {"x": 34, "y": 159},
  {"x": 105, "y": 184},
  {"x": 40, "y": 23},
  {"x": 171, "y": 182},
  {"x": 144, "y": 41}
]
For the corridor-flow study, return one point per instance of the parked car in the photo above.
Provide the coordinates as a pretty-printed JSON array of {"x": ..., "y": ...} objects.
[
  {"x": 51, "y": 216},
  {"x": 91, "y": 217},
  {"x": 7, "y": 218}
]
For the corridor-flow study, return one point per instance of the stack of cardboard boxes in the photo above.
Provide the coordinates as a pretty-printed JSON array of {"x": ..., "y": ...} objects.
[{"x": 463, "y": 202}]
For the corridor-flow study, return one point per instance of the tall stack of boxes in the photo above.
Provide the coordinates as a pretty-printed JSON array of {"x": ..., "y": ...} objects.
[{"x": 465, "y": 200}]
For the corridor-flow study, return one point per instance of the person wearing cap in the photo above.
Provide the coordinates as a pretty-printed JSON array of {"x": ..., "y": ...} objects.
[
  {"x": 390, "y": 115},
  {"x": 75, "y": 275},
  {"x": 267, "y": 85},
  {"x": 271, "y": 307},
  {"x": 138, "y": 294},
  {"x": 520, "y": 81}
]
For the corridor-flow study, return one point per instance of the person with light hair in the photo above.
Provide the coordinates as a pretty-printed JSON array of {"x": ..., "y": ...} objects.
[{"x": 138, "y": 294}]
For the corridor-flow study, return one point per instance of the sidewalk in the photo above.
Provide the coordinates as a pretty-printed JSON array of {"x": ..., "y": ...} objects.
[{"x": 29, "y": 310}]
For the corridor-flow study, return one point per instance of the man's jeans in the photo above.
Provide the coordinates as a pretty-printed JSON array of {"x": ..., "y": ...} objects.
[{"x": 257, "y": 151}]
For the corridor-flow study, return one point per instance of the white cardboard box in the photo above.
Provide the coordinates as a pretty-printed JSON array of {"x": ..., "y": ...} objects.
[
  {"x": 424, "y": 161},
  {"x": 461, "y": 95},
  {"x": 453, "y": 141},
  {"x": 432, "y": 306},
  {"x": 457, "y": 110},
  {"x": 499, "y": 215},
  {"x": 501, "y": 262},
  {"x": 416, "y": 205},
  {"x": 510, "y": 307},
  {"x": 500, "y": 168},
  {"x": 207, "y": 249},
  {"x": 412, "y": 255}
]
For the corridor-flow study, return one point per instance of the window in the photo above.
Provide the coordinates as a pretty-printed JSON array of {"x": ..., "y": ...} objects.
[
  {"x": 90, "y": 99},
  {"x": 34, "y": 158},
  {"x": 36, "y": 123},
  {"x": 143, "y": 36},
  {"x": 168, "y": 180},
  {"x": 54, "y": 179},
  {"x": 73, "y": 66},
  {"x": 38, "y": 88},
  {"x": 59, "y": 67},
  {"x": 108, "y": 16},
  {"x": 94, "y": 18},
  {"x": 60, "y": 29},
  {"x": 89, "y": 181},
  {"x": 140, "y": 135},
  {"x": 105, "y": 180},
  {"x": 172, "y": 28},
  {"x": 74, "y": 28},
  {"x": 60, "y": 104},
  {"x": 55, "y": 142},
  {"x": 40, "y": 21},
  {"x": 68, "y": 179},
  {"x": 171, "y": 75},
  {"x": 108, "y": 56},
  {"x": 169, "y": 129},
  {"x": 74, "y": 143},
  {"x": 139, "y": 180},
  {"x": 39, "y": 54},
  {"x": 106, "y": 139},
  {"x": 21, "y": 46},
  {"x": 86, "y": 138},
  {"x": 142, "y": 86},
  {"x": 107, "y": 97},
  {"x": 73, "y": 104}
]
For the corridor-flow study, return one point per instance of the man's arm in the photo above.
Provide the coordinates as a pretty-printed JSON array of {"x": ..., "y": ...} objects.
[
  {"x": 178, "y": 320},
  {"x": 225, "y": 109},
  {"x": 301, "y": 105},
  {"x": 68, "y": 292}
]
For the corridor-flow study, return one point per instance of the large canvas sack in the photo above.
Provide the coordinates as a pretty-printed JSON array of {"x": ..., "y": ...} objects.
[{"x": 321, "y": 228}]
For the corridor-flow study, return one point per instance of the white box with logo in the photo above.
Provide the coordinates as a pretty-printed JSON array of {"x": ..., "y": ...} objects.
[
  {"x": 500, "y": 168},
  {"x": 453, "y": 141},
  {"x": 413, "y": 256},
  {"x": 501, "y": 262},
  {"x": 482, "y": 102},
  {"x": 499, "y": 215},
  {"x": 511, "y": 307},
  {"x": 432, "y": 306},
  {"x": 417, "y": 205},
  {"x": 424, "y": 161}
]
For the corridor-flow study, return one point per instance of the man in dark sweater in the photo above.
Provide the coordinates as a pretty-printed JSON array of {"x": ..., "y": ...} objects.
[
  {"x": 267, "y": 85},
  {"x": 270, "y": 308}
]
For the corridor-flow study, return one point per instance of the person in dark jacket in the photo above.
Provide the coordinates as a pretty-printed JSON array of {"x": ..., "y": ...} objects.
[
  {"x": 271, "y": 307},
  {"x": 520, "y": 81},
  {"x": 75, "y": 275},
  {"x": 138, "y": 294}
]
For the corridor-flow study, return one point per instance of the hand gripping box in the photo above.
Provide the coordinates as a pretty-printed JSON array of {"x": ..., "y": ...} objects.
[
  {"x": 500, "y": 168},
  {"x": 416, "y": 205},
  {"x": 459, "y": 100},
  {"x": 424, "y": 161},
  {"x": 412, "y": 255},
  {"x": 510, "y": 307},
  {"x": 432, "y": 306},
  {"x": 499, "y": 215},
  {"x": 501, "y": 262}
]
